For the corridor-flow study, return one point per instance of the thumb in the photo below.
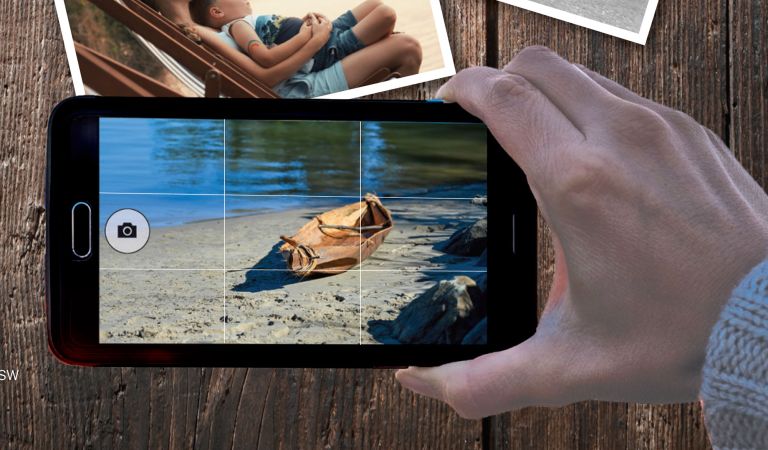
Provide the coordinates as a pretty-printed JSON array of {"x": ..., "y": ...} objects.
[{"x": 524, "y": 375}]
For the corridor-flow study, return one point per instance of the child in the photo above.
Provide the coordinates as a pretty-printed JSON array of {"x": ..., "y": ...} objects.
[{"x": 270, "y": 39}]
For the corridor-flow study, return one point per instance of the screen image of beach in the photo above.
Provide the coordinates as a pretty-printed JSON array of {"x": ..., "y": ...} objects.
[{"x": 292, "y": 232}]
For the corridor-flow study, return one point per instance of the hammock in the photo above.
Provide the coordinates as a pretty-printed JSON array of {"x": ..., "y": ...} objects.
[
  {"x": 177, "y": 70},
  {"x": 201, "y": 69}
]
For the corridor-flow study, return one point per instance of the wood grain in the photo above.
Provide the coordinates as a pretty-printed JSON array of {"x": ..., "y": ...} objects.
[
  {"x": 684, "y": 65},
  {"x": 57, "y": 406},
  {"x": 748, "y": 49}
]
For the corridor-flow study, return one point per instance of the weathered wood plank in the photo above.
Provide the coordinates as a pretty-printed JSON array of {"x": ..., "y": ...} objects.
[
  {"x": 34, "y": 76},
  {"x": 748, "y": 130},
  {"x": 685, "y": 66},
  {"x": 57, "y": 406}
]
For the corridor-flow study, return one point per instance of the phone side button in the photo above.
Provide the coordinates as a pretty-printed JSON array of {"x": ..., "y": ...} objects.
[{"x": 81, "y": 230}]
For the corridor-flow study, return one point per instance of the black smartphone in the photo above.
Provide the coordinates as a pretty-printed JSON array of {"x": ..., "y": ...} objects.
[{"x": 283, "y": 233}]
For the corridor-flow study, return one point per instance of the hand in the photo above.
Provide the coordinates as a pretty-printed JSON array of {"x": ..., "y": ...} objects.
[
  {"x": 306, "y": 31},
  {"x": 323, "y": 17},
  {"x": 308, "y": 17},
  {"x": 654, "y": 222},
  {"x": 321, "y": 30}
]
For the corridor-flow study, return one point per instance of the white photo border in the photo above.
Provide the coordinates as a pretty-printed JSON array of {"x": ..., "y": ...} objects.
[
  {"x": 448, "y": 69},
  {"x": 638, "y": 38}
]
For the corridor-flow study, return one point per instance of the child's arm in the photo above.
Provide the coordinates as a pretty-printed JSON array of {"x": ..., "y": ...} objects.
[
  {"x": 247, "y": 39},
  {"x": 273, "y": 75}
]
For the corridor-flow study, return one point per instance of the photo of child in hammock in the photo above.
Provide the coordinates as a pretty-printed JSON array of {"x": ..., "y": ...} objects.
[
  {"x": 271, "y": 39},
  {"x": 291, "y": 52}
]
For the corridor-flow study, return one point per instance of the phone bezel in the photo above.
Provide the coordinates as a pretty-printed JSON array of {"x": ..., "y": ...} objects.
[{"x": 72, "y": 285}]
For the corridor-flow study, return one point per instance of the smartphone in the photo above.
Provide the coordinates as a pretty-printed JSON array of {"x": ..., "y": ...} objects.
[{"x": 283, "y": 233}]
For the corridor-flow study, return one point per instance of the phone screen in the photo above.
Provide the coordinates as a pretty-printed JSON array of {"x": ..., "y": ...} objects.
[{"x": 292, "y": 232}]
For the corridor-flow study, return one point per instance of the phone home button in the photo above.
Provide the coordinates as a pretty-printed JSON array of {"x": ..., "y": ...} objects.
[{"x": 81, "y": 230}]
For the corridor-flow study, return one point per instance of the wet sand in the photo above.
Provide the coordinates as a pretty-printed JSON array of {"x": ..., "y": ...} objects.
[{"x": 179, "y": 290}]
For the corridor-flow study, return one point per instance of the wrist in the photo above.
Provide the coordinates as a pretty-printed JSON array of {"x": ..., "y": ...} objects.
[
  {"x": 735, "y": 372},
  {"x": 317, "y": 42}
]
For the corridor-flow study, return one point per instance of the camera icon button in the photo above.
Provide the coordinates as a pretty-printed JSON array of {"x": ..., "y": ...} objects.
[{"x": 127, "y": 231}]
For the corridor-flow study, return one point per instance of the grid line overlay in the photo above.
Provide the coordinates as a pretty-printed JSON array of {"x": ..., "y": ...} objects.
[
  {"x": 360, "y": 244},
  {"x": 225, "y": 270},
  {"x": 181, "y": 194},
  {"x": 224, "y": 218}
]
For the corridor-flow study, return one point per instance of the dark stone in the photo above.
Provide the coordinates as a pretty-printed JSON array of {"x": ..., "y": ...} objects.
[
  {"x": 442, "y": 315},
  {"x": 480, "y": 200},
  {"x": 469, "y": 241}
]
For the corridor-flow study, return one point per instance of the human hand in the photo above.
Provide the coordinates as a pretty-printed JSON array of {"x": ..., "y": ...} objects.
[
  {"x": 322, "y": 16},
  {"x": 306, "y": 30},
  {"x": 308, "y": 17},
  {"x": 321, "y": 30},
  {"x": 654, "y": 222}
]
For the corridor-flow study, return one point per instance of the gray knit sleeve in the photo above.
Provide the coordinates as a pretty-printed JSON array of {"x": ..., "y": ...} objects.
[{"x": 734, "y": 387}]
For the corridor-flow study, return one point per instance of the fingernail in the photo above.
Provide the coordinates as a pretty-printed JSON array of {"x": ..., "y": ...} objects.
[{"x": 444, "y": 93}]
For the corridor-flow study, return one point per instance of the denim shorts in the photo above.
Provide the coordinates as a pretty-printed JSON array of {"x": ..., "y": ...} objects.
[
  {"x": 341, "y": 43},
  {"x": 308, "y": 84}
]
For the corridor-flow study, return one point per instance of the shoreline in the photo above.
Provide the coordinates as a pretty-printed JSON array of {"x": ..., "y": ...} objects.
[
  {"x": 181, "y": 290},
  {"x": 446, "y": 191}
]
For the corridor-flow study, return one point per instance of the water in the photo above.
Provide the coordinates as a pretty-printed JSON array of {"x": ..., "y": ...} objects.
[{"x": 175, "y": 171}]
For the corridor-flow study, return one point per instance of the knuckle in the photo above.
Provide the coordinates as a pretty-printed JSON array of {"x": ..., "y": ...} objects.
[
  {"x": 584, "y": 178},
  {"x": 533, "y": 55},
  {"x": 535, "y": 52},
  {"x": 680, "y": 120},
  {"x": 389, "y": 13},
  {"x": 640, "y": 118},
  {"x": 503, "y": 87}
]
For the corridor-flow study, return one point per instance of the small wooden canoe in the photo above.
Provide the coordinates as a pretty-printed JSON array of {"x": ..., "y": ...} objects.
[{"x": 337, "y": 240}]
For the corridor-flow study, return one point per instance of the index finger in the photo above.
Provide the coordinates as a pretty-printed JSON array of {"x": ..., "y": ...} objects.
[
  {"x": 531, "y": 129},
  {"x": 583, "y": 101}
]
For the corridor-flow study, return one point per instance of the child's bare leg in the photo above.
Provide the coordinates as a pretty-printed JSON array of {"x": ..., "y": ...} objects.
[
  {"x": 398, "y": 53},
  {"x": 376, "y": 21},
  {"x": 365, "y": 8}
]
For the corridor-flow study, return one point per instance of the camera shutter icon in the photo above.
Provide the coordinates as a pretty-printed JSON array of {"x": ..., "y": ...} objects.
[{"x": 127, "y": 231}]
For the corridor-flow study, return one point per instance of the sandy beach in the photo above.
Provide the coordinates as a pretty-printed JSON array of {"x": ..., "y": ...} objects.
[{"x": 177, "y": 289}]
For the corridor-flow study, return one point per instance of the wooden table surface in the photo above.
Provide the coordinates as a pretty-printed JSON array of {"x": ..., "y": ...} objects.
[{"x": 705, "y": 57}]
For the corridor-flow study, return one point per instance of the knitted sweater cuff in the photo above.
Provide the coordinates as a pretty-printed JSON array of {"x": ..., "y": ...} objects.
[{"x": 734, "y": 386}]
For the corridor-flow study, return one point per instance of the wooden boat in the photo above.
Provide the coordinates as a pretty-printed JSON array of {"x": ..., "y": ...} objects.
[{"x": 337, "y": 240}]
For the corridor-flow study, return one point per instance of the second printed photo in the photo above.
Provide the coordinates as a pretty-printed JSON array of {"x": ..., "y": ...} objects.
[{"x": 253, "y": 48}]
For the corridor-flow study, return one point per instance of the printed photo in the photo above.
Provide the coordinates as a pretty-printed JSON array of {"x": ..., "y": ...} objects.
[
  {"x": 626, "y": 19},
  {"x": 253, "y": 48}
]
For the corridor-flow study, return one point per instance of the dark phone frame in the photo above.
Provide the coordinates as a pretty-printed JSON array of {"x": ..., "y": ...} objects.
[{"x": 72, "y": 297}]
